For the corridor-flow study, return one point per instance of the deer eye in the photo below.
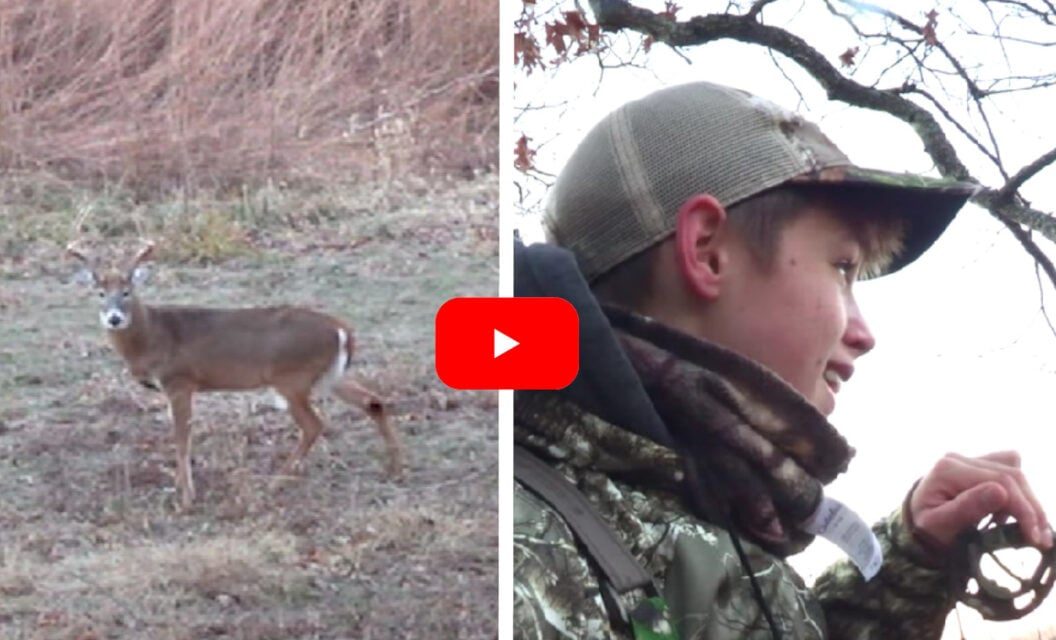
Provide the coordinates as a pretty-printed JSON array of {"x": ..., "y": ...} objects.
[
  {"x": 102, "y": 293},
  {"x": 126, "y": 293}
]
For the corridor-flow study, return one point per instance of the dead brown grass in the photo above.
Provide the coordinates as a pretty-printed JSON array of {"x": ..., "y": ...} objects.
[
  {"x": 91, "y": 547},
  {"x": 158, "y": 95}
]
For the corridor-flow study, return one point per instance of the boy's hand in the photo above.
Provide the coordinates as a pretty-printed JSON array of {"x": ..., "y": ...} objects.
[{"x": 959, "y": 491}]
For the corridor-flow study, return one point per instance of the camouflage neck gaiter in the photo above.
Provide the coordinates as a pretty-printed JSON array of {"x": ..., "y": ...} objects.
[{"x": 754, "y": 450}]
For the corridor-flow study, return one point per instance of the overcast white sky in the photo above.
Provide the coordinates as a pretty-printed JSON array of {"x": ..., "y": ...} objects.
[{"x": 964, "y": 360}]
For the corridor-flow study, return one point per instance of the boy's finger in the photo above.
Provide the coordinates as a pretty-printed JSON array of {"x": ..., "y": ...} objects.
[
  {"x": 1011, "y": 458},
  {"x": 945, "y": 521},
  {"x": 957, "y": 475},
  {"x": 1014, "y": 474}
]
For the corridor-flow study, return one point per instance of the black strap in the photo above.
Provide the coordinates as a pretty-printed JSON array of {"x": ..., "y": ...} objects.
[{"x": 622, "y": 570}]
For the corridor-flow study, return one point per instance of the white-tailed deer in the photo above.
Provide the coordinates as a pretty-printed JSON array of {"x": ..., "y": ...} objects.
[{"x": 184, "y": 350}]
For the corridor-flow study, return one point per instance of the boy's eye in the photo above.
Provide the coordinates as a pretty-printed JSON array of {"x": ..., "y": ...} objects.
[{"x": 849, "y": 269}]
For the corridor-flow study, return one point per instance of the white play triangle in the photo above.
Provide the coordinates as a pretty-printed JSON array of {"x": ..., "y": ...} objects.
[{"x": 503, "y": 343}]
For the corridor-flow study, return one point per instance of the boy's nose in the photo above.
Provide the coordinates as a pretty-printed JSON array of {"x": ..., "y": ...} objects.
[{"x": 858, "y": 336}]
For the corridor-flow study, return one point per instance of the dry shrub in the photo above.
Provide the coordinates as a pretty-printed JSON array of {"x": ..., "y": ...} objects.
[
  {"x": 156, "y": 95},
  {"x": 209, "y": 237}
]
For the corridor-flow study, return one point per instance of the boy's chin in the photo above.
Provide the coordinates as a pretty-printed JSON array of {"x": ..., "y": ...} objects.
[{"x": 825, "y": 401}]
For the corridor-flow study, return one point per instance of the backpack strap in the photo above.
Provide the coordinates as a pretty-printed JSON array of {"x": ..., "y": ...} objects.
[{"x": 622, "y": 570}]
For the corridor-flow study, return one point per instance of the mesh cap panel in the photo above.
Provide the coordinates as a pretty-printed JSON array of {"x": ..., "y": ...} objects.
[{"x": 621, "y": 190}]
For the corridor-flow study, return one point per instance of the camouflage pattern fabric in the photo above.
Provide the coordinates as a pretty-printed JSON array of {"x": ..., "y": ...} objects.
[
  {"x": 639, "y": 488},
  {"x": 768, "y": 451}
]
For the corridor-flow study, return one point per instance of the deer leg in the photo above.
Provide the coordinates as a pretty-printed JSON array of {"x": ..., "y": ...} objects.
[
  {"x": 355, "y": 394},
  {"x": 180, "y": 409},
  {"x": 311, "y": 425}
]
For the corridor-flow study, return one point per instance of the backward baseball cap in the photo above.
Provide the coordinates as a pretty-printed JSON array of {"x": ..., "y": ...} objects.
[{"x": 620, "y": 192}]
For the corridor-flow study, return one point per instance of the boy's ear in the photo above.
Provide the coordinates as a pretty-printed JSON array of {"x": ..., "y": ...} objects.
[
  {"x": 141, "y": 274},
  {"x": 699, "y": 242}
]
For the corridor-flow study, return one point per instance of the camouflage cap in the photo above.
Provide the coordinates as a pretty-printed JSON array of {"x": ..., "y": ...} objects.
[{"x": 620, "y": 191}]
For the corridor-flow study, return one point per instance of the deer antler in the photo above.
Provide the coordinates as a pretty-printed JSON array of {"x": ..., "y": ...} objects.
[
  {"x": 143, "y": 254},
  {"x": 74, "y": 252}
]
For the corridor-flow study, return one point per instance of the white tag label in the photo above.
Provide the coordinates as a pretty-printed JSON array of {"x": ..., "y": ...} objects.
[{"x": 835, "y": 522}]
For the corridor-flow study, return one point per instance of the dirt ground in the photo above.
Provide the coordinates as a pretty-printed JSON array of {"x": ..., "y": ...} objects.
[{"x": 91, "y": 544}]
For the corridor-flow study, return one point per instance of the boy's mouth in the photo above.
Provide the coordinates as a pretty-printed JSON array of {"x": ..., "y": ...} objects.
[{"x": 836, "y": 374}]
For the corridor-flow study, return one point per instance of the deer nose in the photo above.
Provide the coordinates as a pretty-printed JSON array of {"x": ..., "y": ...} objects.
[{"x": 114, "y": 320}]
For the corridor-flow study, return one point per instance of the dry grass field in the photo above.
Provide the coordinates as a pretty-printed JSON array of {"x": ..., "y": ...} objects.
[
  {"x": 91, "y": 545},
  {"x": 337, "y": 154}
]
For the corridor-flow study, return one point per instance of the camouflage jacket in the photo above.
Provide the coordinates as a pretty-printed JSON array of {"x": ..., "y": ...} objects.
[
  {"x": 556, "y": 586},
  {"x": 644, "y": 390}
]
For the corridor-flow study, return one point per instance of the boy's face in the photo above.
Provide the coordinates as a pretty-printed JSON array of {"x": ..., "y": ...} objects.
[{"x": 798, "y": 316}]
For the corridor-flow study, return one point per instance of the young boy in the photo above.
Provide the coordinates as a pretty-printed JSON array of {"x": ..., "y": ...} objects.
[{"x": 710, "y": 242}]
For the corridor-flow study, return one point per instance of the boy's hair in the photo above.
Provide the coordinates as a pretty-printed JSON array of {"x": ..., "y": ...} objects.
[{"x": 760, "y": 221}]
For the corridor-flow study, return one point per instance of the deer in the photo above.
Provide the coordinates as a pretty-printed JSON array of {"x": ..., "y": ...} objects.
[{"x": 184, "y": 350}]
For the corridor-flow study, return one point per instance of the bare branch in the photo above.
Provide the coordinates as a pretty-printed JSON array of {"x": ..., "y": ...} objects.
[
  {"x": 1045, "y": 17},
  {"x": 887, "y": 13},
  {"x": 899, "y": 60},
  {"x": 990, "y": 132},
  {"x": 850, "y": 21},
  {"x": 1002, "y": 38},
  {"x": 791, "y": 83},
  {"x": 756, "y": 8},
  {"x": 946, "y": 114},
  {"x": 911, "y": 52},
  {"x": 618, "y": 15},
  {"x": 615, "y": 15},
  {"x": 1024, "y": 174},
  {"x": 1020, "y": 213},
  {"x": 974, "y": 91},
  {"x": 1028, "y": 243},
  {"x": 1036, "y": 85},
  {"x": 996, "y": 32},
  {"x": 1041, "y": 299}
]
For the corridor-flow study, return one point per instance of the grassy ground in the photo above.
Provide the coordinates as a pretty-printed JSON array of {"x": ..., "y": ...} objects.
[{"x": 91, "y": 546}]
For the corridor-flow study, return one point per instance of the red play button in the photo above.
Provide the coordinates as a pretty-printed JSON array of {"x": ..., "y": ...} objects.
[{"x": 507, "y": 343}]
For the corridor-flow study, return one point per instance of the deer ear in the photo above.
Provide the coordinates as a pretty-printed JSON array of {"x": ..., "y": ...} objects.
[
  {"x": 140, "y": 275},
  {"x": 85, "y": 276}
]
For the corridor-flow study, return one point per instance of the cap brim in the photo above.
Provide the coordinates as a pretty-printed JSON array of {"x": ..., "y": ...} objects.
[{"x": 927, "y": 205}]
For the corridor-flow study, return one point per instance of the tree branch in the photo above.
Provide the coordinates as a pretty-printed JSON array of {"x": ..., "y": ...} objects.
[
  {"x": 757, "y": 8},
  {"x": 618, "y": 15},
  {"x": 949, "y": 117},
  {"x": 1032, "y": 248},
  {"x": 1045, "y": 17},
  {"x": 976, "y": 93},
  {"x": 1017, "y": 212},
  {"x": 1024, "y": 174}
]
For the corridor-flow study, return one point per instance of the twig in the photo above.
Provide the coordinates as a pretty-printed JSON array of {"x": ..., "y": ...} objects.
[
  {"x": 971, "y": 138},
  {"x": 1041, "y": 297},
  {"x": 777, "y": 64},
  {"x": 1024, "y": 174},
  {"x": 1028, "y": 243},
  {"x": 756, "y": 8},
  {"x": 1023, "y": 5}
]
